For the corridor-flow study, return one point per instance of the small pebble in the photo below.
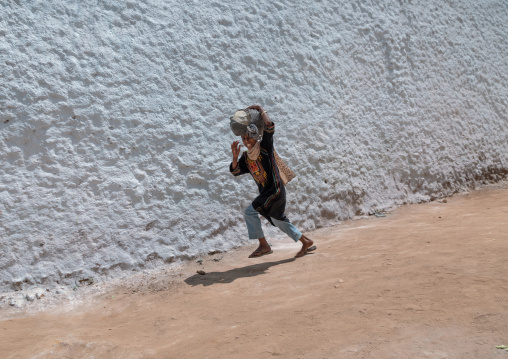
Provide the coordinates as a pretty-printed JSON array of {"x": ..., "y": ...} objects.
[{"x": 202, "y": 272}]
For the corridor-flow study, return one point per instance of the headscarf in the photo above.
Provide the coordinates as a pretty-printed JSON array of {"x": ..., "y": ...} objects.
[
  {"x": 253, "y": 132},
  {"x": 243, "y": 119}
]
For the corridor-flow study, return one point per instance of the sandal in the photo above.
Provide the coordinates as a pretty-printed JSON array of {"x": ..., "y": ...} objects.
[
  {"x": 259, "y": 254},
  {"x": 302, "y": 253}
]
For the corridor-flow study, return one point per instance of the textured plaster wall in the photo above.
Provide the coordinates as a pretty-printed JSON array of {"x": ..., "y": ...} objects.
[{"x": 114, "y": 138}]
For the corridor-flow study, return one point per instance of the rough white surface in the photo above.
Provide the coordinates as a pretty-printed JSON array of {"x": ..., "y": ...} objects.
[{"x": 114, "y": 120}]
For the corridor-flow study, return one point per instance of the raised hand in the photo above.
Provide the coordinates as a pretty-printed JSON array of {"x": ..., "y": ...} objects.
[
  {"x": 235, "y": 148},
  {"x": 263, "y": 113},
  {"x": 255, "y": 107}
]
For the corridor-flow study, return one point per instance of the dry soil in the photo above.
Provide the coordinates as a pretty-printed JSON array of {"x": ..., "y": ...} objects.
[{"x": 426, "y": 281}]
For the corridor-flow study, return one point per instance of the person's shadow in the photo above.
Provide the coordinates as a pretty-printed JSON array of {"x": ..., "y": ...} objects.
[{"x": 229, "y": 276}]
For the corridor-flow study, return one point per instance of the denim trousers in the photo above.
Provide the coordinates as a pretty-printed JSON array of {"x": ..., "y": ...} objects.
[{"x": 254, "y": 225}]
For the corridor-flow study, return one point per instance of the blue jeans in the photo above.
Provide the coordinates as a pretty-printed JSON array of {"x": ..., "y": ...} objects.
[{"x": 256, "y": 232}]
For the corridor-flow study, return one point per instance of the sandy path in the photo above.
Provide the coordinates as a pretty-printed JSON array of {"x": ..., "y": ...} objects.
[{"x": 427, "y": 281}]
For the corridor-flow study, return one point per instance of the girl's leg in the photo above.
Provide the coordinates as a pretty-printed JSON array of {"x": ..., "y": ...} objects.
[
  {"x": 288, "y": 228},
  {"x": 295, "y": 234},
  {"x": 253, "y": 223},
  {"x": 256, "y": 232},
  {"x": 307, "y": 246}
]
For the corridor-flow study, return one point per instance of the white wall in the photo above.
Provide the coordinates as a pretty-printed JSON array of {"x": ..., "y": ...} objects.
[{"x": 115, "y": 133}]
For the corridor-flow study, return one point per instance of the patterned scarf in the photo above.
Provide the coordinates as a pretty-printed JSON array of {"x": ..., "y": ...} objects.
[{"x": 285, "y": 173}]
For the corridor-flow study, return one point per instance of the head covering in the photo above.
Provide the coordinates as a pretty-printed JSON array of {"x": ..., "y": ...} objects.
[
  {"x": 242, "y": 119},
  {"x": 253, "y": 132}
]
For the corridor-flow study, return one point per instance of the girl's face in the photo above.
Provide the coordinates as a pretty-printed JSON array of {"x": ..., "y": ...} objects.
[{"x": 248, "y": 142}]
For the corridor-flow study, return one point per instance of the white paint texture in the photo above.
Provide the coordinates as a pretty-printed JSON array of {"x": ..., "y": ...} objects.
[{"x": 114, "y": 120}]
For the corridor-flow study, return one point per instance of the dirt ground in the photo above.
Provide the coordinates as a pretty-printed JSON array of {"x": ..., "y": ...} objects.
[{"x": 426, "y": 281}]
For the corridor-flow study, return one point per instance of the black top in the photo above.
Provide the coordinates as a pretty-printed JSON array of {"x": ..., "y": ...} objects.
[{"x": 271, "y": 201}]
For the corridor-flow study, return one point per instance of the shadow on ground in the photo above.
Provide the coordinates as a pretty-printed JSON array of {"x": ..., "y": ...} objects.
[{"x": 232, "y": 274}]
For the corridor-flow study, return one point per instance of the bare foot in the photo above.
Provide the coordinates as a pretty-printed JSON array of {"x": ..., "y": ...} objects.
[{"x": 306, "y": 246}]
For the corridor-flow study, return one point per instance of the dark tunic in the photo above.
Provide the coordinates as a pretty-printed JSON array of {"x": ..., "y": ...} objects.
[{"x": 271, "y": 201}]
